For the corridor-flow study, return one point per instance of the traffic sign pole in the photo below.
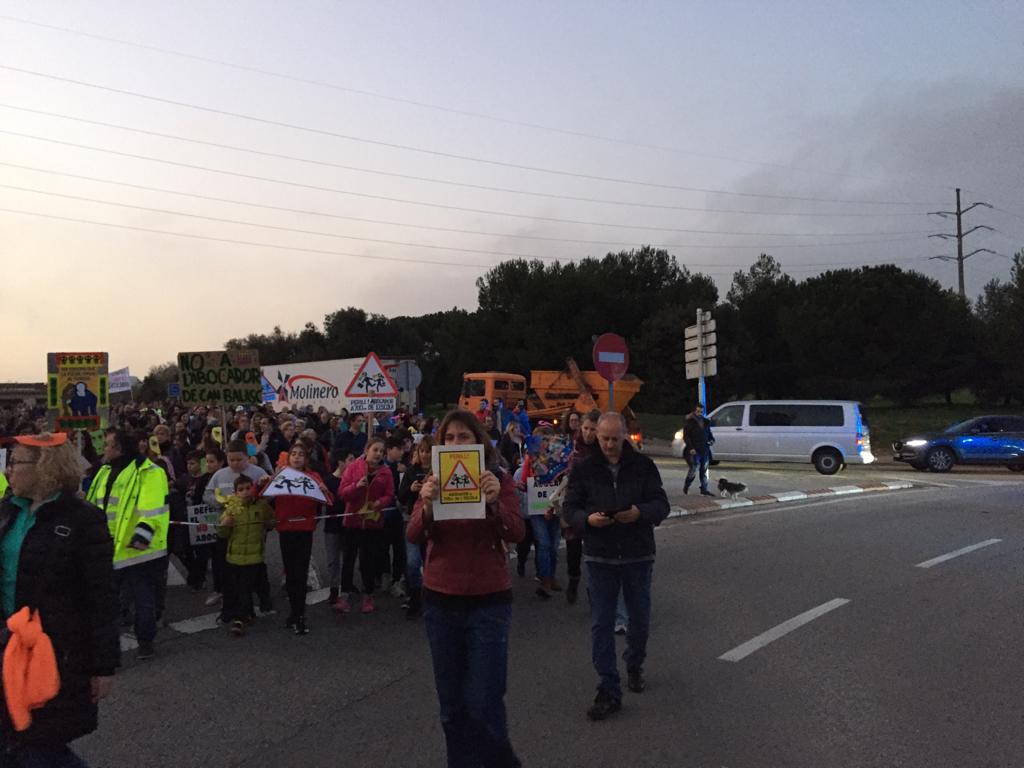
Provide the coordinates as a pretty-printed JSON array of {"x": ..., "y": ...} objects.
[{"x": 702, "y": 392}]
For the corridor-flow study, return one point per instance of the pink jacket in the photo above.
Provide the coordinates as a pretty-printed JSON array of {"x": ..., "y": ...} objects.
[{"x": 380, "y": 489}]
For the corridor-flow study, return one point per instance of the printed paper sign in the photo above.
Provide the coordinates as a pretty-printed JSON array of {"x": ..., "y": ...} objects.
[
  {"x": 292, "y": 482},
  {"x": 77, "y": 394},
  {"x": 202, "y": 527},
  {"x": 458, "y": 469},
  {"x": 228, "y": 377}
]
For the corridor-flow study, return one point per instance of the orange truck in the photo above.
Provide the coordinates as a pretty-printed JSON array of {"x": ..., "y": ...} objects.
[{"x": 552, "y": 393}]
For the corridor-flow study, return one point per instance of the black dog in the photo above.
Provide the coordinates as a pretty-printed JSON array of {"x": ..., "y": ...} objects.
[{"x": 731, "y": 490}]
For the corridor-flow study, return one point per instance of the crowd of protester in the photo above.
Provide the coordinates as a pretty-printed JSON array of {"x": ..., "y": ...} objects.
[{"x": 374, "y": 476}]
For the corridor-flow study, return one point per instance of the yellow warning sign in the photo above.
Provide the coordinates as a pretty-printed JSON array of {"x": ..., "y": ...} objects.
[{"x": 460, "y": 473}]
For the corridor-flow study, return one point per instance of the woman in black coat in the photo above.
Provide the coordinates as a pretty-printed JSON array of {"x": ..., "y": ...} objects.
[{"x": 56, "y": 556}]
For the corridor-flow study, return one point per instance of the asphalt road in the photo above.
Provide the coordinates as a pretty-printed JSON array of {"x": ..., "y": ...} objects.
[{"x": 920, "y": 668}]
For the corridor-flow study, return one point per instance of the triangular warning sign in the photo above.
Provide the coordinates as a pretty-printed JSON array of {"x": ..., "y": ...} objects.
[
  {"x": 371, "y": 380},
  {"x": 460, "y": 479}
]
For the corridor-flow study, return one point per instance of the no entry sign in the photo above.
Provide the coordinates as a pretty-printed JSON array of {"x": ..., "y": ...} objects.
[{"x": 611, "y": 356}]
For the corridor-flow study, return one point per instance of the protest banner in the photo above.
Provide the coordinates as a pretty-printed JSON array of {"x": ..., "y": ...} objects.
[
  {"x": 202, "y": 528},
  {"x": 458, "y": 469},
  {"x": 227, "y": 377},
  {"x": 292, "y": 482},
  {"x": 77, "y": 394},
  {"x": 120, "y": 381}
]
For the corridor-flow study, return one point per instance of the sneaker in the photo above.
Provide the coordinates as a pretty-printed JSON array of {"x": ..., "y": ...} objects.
[
  {"x": 215, "y": 598},
  {"x": 342, "y": 605},
  {"x": 237, "y": 628},
  {"x": 705, "y": 492},
  {"x": 397, "y": 590},
  {"x": 368, "y": 606},
  {"x": 603, "y": 706},
  {"x": 572, "y": 592},
  {"x": 620, "y": 629},
  {"x": 635, "y": 680},
  {"x": 290, "y": 623},
  {"x": 300, "y": 626},
  {"x": 146, "y": 651}
]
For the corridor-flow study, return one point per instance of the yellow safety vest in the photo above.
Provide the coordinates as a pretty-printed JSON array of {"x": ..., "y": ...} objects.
[
  {"x": 137, "y": 506},
  {"x": 3, "y": 485}
]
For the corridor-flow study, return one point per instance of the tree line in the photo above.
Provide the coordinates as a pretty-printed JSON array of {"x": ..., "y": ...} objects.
[{"x": 849, "y": 333}]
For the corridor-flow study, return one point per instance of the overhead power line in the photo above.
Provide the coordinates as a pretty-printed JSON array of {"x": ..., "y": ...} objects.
[
  {"x": 442, "y": 108},
  {"x": 451, "y": 230},
  {"x": 448, "y": 182},
  {"x": 441, "y": 153},
  {"x": 317, "y": 233},
  {"x": 323, "y": 252},
  {"x": 463, "y": 209}
]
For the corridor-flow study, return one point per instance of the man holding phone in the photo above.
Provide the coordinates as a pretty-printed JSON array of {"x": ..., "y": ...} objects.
[{"x": 615, "y": 499}]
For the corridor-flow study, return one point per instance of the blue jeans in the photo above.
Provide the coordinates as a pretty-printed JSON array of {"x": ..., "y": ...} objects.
[
  {"x": 41, "y": 757},
  {"x": 698, "y": 462},
  {"x": 605, "y": 581},
  {"x": 469, "y": 649},
  {"x": 621, "y": 615},
  {"x": 413, "y": 565},
  {"x": 142, "y": 583},
  {"x": 546, "y": 534}
]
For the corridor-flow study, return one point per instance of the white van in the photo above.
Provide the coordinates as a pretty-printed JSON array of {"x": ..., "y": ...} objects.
[{"x": 827, "y": 433}]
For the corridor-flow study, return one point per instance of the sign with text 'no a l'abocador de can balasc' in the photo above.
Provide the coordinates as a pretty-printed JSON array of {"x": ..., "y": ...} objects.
[{"x": 225, "y": 377}]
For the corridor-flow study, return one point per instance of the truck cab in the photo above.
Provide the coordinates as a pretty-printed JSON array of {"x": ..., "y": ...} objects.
[{"x": 491, "y": 386}]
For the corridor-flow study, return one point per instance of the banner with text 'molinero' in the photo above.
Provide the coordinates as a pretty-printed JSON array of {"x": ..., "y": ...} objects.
[{"x": 227, "y": 377}]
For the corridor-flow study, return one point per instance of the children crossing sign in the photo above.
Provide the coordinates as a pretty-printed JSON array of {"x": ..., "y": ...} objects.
[
  {"x": 458, "y": 469},
  {"x": 372, "y": 390}
]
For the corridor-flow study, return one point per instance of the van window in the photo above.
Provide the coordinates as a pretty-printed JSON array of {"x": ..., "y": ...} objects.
[
  {"x": 519, "y": 386},
  {"x": 473, "y": 388},
  {"x": 730, "y": 416},
  {"x": 785, "y": 415},
  {"x": 500, "y": 384}
]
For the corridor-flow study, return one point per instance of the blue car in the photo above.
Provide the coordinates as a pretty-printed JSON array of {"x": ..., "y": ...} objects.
[{"x": 981, "y": 440}]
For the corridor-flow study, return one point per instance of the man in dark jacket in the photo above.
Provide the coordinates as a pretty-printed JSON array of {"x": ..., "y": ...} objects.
[
  {"x": 615, "y": 499},
  {"x": 697, "y": 441}
]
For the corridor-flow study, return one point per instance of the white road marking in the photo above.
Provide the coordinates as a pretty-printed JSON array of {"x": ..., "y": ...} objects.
[
  {"x": 771, "y": 508},
  {"x": 741, "y": 652},
  {"x": 957, "y": 553}
]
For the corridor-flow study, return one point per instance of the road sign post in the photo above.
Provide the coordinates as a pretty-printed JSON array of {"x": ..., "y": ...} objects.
[
  {"x": 611, "y": 360},
  {"x": 701, "y": 353}
]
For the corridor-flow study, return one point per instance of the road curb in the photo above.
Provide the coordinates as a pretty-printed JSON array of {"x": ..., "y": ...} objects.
[{"x": 704, "y": 506}]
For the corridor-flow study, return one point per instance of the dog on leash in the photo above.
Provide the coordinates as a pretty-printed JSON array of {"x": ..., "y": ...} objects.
[{"x": 731, "y": 490}]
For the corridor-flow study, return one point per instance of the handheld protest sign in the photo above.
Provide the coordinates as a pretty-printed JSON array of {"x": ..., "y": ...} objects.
[
  {"x": 292, "y": 482},
  {"x": 458, "y": 469},
  {"x": 218, "y": 434}
]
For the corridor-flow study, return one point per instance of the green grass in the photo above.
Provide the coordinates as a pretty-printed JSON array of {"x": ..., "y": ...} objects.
[{"x": 888, "y": 422}]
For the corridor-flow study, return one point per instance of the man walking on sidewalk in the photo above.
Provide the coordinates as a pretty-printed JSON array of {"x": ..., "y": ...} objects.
[
  {"x": 615, "y": 499},
  {"x": 697, "y": 440}
]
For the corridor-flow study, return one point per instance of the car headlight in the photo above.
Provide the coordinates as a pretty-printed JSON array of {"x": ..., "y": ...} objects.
[
  {"x": 679, "y": 435},
  {"x": 915, "y": 443}
]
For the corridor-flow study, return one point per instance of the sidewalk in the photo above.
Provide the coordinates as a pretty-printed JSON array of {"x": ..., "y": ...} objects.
[{"x": 703, "y": 505}]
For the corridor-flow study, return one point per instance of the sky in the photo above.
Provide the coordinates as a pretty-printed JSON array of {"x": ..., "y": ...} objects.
[{"x": 286, "y": 160}]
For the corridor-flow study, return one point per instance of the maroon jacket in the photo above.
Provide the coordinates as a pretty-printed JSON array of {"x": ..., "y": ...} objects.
[{"x": 469, "y": 557}]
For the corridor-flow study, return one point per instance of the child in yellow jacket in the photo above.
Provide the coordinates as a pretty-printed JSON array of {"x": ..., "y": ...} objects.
[{"x": 244, "y": 524}]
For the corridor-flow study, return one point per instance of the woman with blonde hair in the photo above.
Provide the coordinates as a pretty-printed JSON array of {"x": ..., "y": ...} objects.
[{"x": 56, "y": 558}]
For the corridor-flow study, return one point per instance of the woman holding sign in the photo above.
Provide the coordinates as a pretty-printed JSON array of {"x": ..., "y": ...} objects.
[
  {"x": 467, "y": 599},
  {"x": 296, "y": 521}
]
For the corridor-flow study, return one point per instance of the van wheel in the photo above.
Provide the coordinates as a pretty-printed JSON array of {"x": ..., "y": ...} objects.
[{"x": 827, "y": 461}]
